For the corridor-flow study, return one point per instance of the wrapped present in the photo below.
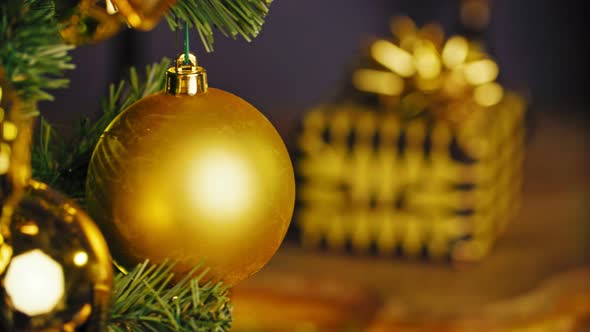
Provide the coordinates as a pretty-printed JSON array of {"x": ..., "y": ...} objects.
[{"x": 433, "y": 170}]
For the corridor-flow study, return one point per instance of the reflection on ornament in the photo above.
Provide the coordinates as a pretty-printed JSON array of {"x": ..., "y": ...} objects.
[
  {"x": 90, "y": 22},
  {"x": 434, "y": 170},
  {"x": 80, "y": 258},
  {"x": 192, "y": 178},
  {"x": 142, "y": 14},
  {"x": 220, "y": 184},
  {"x": 60, "y": 276},
  {"x": 34, "y": 282}
]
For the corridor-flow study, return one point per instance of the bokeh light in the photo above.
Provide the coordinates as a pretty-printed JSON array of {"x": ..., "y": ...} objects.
[
  {"x": 393, "y": 57},
  {"x": 34, "y": 282},
  {"x": 377, "y": 81}
]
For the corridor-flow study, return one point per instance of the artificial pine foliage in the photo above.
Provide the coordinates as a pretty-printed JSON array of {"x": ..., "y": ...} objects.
[
  {"x": 34, "y": 58},
  {"x": 32, "y": 52},
  {"x": 145, "y": 300},
  {"x": 62, "y": 162}
]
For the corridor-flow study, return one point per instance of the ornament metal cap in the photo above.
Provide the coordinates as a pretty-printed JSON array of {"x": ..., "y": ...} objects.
[{"x": 186, "y": 78}]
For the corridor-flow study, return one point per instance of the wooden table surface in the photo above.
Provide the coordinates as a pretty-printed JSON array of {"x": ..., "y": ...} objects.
[{"x": 546, "y": 248}]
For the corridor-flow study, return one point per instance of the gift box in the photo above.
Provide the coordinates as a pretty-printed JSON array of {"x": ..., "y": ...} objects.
[{"x": 432, "y": 169}]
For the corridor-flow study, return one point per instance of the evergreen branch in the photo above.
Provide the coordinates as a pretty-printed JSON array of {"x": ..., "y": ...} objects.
[
  {"x": 232, "y": 17},
  {"x": 63, "y": 163},
  {"x": 146, "y": 301},
  {"x": 32, "y": 52}
]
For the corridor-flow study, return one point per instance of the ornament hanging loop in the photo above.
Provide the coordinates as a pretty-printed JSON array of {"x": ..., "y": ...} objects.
[
  {"x": 186, "y": 78},
  {"x": 182, "y": 66}
]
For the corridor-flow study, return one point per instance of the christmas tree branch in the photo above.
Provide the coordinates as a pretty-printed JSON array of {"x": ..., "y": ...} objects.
[
  {"x": 232, "y": 17},
  {"x": 32, "y": 52},
  {"x": 146, "y": 301},
  {"x": 62, "y": 163},
  {"x": 34, "y": 56}
]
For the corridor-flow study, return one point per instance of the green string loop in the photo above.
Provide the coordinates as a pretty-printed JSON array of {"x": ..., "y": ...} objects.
[{"x": 186, "y": 43}]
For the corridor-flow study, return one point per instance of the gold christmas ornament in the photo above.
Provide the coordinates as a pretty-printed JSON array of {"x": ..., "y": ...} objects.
[
  {"x": 434, "y": 170},
  {"x": 192, "y": 174},
  {"x": 60, "y": 275},
  {"x": 143, "y": 14},
  {"x": 90, "y": 21}
]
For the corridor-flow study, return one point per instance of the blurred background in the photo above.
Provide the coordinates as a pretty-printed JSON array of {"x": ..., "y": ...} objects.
[
  {"x": 307, "y": 48},
  {"x": 537, "y": 276}
]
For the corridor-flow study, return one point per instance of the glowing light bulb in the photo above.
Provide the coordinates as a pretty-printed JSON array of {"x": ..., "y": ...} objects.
[
  {"x": 393, "y": 57},
  {"x": 34, "y": 282},
  {"x": 221, "y": 184},
  {"x": 376, "y": 81},
  {"x": 481, "y": 71},
  {"x": 455, "y": 51}
]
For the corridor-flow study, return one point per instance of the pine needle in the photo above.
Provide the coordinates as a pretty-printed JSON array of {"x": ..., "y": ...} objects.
[
  {"x": 232, "y": 18},
  {"x": 32, "y": 52},
  {"x": 63, "y": 162},
  {"x": 146, "y": 301}
]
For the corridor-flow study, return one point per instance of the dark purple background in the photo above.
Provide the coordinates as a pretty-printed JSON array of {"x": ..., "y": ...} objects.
[{"x": 303, "y": 54}]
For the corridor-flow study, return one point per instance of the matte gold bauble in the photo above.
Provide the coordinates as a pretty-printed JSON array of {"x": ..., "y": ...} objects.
[
  {"x": 143, "y": 14},
  {"x": 192, "y": 174},
  {"x": 60, "y": 275}
]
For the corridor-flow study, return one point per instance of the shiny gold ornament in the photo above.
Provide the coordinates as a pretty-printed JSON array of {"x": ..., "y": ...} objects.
[
  {"x": 143, "y": 14},
  {"x": 434, "y": 170},
  {"x": 89, "y": 22},
  {"x": 192, "y": 174},
  {"x": 60, "y": 276}
]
